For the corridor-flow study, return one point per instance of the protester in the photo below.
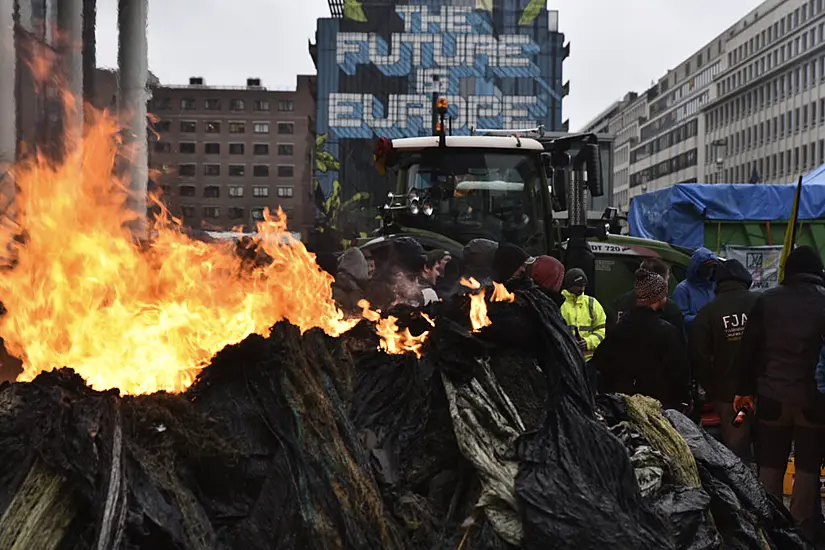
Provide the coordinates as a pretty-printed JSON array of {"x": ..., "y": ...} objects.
[
  {"x": 396, "y": 277},
  {"x": 510, "y": 261},
  {"x": 548, "y": 273},
  {"x": 698, "y": 287},
  {"x": 776, "y": 374},
  {"x": 583, "y": 313},
  {"x": 350, "y": 280},
  {"x": 715, "y": 339},
  {"x": 434, "y": 264},
  {"x": 645, "y": 354},
  {"x": 478, "y": 256},
  {"x": 626, "y": 302}
]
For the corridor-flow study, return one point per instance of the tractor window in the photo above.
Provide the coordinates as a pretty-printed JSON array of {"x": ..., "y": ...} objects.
[{"x": 486, "y": 193}]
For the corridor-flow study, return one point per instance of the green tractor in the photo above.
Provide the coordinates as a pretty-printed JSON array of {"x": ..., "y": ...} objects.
[{"x": 452, "y": 189}]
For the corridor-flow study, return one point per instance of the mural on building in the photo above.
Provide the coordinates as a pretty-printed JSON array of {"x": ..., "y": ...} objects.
[
  {"x": 453, "y": 51},
  {"x": 497, "y": 62}
]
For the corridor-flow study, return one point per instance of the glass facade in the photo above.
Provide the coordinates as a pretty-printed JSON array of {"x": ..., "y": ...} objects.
[{"x": 498, "y": 62}]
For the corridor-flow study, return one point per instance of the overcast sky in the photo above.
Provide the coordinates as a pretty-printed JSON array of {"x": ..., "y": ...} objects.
[{"x": 616, "y": 45}]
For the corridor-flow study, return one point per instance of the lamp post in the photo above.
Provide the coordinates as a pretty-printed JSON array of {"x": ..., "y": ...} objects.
[{"x": 719, "y": 150}]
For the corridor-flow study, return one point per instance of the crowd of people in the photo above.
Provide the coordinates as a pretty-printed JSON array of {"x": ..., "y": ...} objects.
[{"x": 753, "y": 360}]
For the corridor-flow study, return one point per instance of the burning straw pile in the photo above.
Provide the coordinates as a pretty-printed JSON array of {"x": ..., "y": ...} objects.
[{"x": 488, "y": 441}]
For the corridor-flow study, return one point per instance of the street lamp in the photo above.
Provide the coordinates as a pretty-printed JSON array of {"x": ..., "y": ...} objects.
[{"x": 719, "y": 150}]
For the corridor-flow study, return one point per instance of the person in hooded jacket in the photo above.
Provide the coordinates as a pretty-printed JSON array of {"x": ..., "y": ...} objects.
[
  {"x": 351, "y": 278},
  {"x": 644, "y": 354},
  {"x": 698, "y": 288},
  {"x": 776, "y": 377},
  {"x": 714, "y": 343},
  {"x": 478, "y": 256},
  {"x": 510, "y": 261}
]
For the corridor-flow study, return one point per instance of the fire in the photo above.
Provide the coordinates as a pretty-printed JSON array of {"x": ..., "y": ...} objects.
[
  {"x": 478, "y": 305},
  {"x": 501, "y": 294},
  {"x": 394, "y": 341},
  {"x": 83, "y": 294}
]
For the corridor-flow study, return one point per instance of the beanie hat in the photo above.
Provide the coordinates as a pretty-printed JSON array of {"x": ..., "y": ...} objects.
[
  {"x": 649, "y": 287},
  {"x": 803, "y": 259},
  {"x": 733, "y": 270},
  {"x": 409, "y": 254},
  {"x": 574, "y": 277},
  {"x": 508, "y": 259},
  {"x": 548, "y": 272},
  {"x": 479, "y": 255}
]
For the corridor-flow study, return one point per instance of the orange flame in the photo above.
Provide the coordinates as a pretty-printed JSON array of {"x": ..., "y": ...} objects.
[
  {"x": 501, "y": 294},
  {"x": 478, "y": 305},
  {"x": 393, "y": 341},
  {"x": 83, "y": 294}
]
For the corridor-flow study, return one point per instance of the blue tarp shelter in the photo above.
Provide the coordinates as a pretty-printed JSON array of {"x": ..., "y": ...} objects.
[{"x": 677, "y": 215}]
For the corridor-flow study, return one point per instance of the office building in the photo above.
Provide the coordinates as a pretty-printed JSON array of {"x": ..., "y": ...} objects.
[
  {"x": 379, "y": 63},
  {"x": 748, "y": 107},
  {"x": 766, "y": 121},
  {"x": 225, "y": 153}
]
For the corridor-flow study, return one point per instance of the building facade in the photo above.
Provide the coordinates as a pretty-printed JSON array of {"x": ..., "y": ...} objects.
[
  {"x": 766, "y": 122},
  {"x": 748, "y": 107},
  {"x": 224, "y": 154},
  {"x": 498, "y": 62}
]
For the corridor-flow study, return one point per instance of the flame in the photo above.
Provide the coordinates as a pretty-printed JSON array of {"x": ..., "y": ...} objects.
[
  {"x": 394, "y": 341},
  {"x": 141, "y": 318},
  {"x": 501, "y": 294},
  {"x": 478, "y": 305}
]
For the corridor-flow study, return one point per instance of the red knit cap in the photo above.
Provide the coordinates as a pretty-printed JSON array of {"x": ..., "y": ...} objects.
[{"x": 548, "y": 273}]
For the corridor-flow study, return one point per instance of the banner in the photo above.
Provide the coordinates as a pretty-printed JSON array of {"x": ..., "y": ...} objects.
[{"x": 761, "y": 261}]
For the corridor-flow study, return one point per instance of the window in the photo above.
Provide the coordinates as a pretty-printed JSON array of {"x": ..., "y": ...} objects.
[
  {"x": 260, "y": 170},
  {"x": 186, "y": 190},
  {"x": 211, "y": 169},
  {"x": 286, "y": 105},
  {"x": 161, "y": 104},
  {"x": 188, "y": 104},
  {"x": 286, "y": 128},
  {"x": 188, "y": 127},
  {"x": 236, "y": 148},
  {"x": 260, "y": 191},
  {"x": 257, "y": 214},
  {"x": 213, "y": 127},
  {"x": 163, "y": 126},
  {"x": 285, "y": 149},
  {"x": 260, "y": 127},
  {"x": 235, "y": 191},
  {"x": 285, "y": 192},
  {"x": 261, "y": 105},
  {"x": 186, "y": 170},
  {"x": 211, "y": 212},
  {"x": 186, "y": 147},
  {"x": 212, "y": 104},
  {"x": 163, "y": 147},
  {"x": 212, "y": 192},
  {"x": 235, "y": 213},
  {"x": 212, "y": 148},
  {"x": 237, "y": 170},
  {"x": 260, "y": 149},
  {"x": 286, "y": 171},
  {"x": 187, "y": 212},
  {"x": 237, "y": 105},
  {"x": 237, "y": 127}
]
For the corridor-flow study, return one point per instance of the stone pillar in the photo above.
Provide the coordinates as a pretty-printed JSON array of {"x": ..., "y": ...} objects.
[
  {"x": 70, "y": 51},
  {"x": 133, "y": 65}
]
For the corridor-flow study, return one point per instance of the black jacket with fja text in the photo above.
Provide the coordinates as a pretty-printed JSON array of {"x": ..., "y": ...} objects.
[
  {"x": 716, "y": 336},
  {"x": 627, "y": 301}
]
